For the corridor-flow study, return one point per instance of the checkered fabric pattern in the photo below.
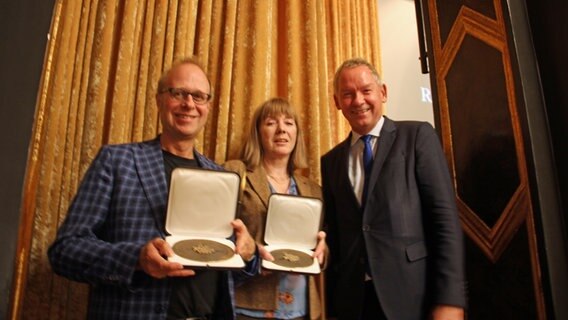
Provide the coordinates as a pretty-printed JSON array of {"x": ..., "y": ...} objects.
[{"x": 120, "y": 205}]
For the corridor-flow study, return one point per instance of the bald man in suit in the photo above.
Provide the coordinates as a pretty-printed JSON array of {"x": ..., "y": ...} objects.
[{"x": 396, "y": 245}]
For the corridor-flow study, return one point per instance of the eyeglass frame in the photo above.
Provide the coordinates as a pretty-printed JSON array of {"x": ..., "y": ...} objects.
[{"x": 181, "y": 94}]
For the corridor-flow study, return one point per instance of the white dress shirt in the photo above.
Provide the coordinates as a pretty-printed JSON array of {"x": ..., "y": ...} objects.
[{"x": 355, "y": 166}]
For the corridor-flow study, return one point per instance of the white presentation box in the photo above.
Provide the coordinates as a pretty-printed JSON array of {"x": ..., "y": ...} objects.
[
  {"x": 201, "y": 205},
  {"x": 292, "y": 225}
]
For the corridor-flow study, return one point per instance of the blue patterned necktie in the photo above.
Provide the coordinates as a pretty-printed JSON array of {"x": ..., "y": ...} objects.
[{"x": 367, "y": 164}]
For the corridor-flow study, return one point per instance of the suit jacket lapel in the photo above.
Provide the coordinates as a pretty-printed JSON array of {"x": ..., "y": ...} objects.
[
  {"x": 150, "y": 166},
  {"x": 385, "y": 142}
]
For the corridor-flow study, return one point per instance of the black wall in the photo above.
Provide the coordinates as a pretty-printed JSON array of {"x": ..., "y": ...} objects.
[
  {"x": 549, "y": 26},
  {"x": 24, "y": 25}
]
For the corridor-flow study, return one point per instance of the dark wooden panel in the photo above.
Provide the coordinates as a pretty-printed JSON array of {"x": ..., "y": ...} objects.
[
  {"x": 450, "y": 10},
  {"x": 478, "y": 118},
  {"x": 501, "y": 290},
  {"x": 482, "y": 135}
]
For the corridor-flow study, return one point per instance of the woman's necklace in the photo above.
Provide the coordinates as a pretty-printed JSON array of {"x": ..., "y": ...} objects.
[
  {"x": 280, "y": 184},
  {"x": 280, "y": 180}
]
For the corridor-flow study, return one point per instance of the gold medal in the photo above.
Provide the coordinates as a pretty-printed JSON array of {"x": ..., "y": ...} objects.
[
  {"x": 202, "y": 250},
  {"x": 291, "y": 258}
]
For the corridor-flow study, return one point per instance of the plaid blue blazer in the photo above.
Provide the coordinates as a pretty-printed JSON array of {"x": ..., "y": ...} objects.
[{"x": 121, "y": 205}]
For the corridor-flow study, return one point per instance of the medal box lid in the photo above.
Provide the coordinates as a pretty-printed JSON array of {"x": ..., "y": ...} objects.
[
  {"x": 292, "y": 225},
  {"x": 293, "y": 221},
  {"x": 202, "y": 202}
]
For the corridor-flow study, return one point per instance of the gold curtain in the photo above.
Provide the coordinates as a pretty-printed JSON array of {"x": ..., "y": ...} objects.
[{"x": 100, "y": 74}]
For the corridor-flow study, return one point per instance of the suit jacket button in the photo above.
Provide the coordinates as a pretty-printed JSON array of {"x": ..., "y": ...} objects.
[{"x": 366, "y": 227}]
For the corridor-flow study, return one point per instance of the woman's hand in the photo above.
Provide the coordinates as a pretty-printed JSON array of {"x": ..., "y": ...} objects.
[
  {"x": 321, "y": 248},
  {"x": 245, "y": 245}
]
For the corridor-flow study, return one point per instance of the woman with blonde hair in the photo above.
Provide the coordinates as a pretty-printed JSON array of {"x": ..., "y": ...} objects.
[{"x": 274, "y": 149}]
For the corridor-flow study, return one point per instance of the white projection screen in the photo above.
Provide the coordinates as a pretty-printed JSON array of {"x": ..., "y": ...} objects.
[{"x": 408, "y": 90}]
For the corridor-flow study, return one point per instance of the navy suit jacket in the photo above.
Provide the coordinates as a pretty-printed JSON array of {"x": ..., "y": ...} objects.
[
  {"x": 121, "y": 205},
  {"x": 409, "y": 227}
]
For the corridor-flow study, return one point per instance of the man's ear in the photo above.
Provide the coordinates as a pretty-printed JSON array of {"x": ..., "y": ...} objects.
[
  {"x": 384, "y": 92},
  {"x": 159, "y": 101},
  {"x": 336, "y": 102}
]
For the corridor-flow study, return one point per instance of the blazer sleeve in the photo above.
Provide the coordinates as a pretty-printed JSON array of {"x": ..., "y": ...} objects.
[
  {"x": 79, "y": 251},
  {"x": 330, "y": 227},
  {"x": 441, "y": 220}
]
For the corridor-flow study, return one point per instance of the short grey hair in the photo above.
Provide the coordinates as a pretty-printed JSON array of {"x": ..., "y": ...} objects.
[{"x": 353, "y": 63}]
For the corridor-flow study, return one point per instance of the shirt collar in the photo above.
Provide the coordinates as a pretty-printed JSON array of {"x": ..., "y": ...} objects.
[{"x": 375, "y": 132}]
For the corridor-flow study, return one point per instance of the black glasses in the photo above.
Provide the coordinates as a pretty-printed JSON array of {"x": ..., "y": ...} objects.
[{"x": 182, "y": 95}]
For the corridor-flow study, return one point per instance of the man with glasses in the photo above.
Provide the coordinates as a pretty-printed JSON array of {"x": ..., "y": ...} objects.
[{"x": 113, "y": 235}]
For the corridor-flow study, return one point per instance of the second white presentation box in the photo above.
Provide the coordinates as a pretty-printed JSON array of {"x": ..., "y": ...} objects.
[{"x": 292, "y": 225}]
